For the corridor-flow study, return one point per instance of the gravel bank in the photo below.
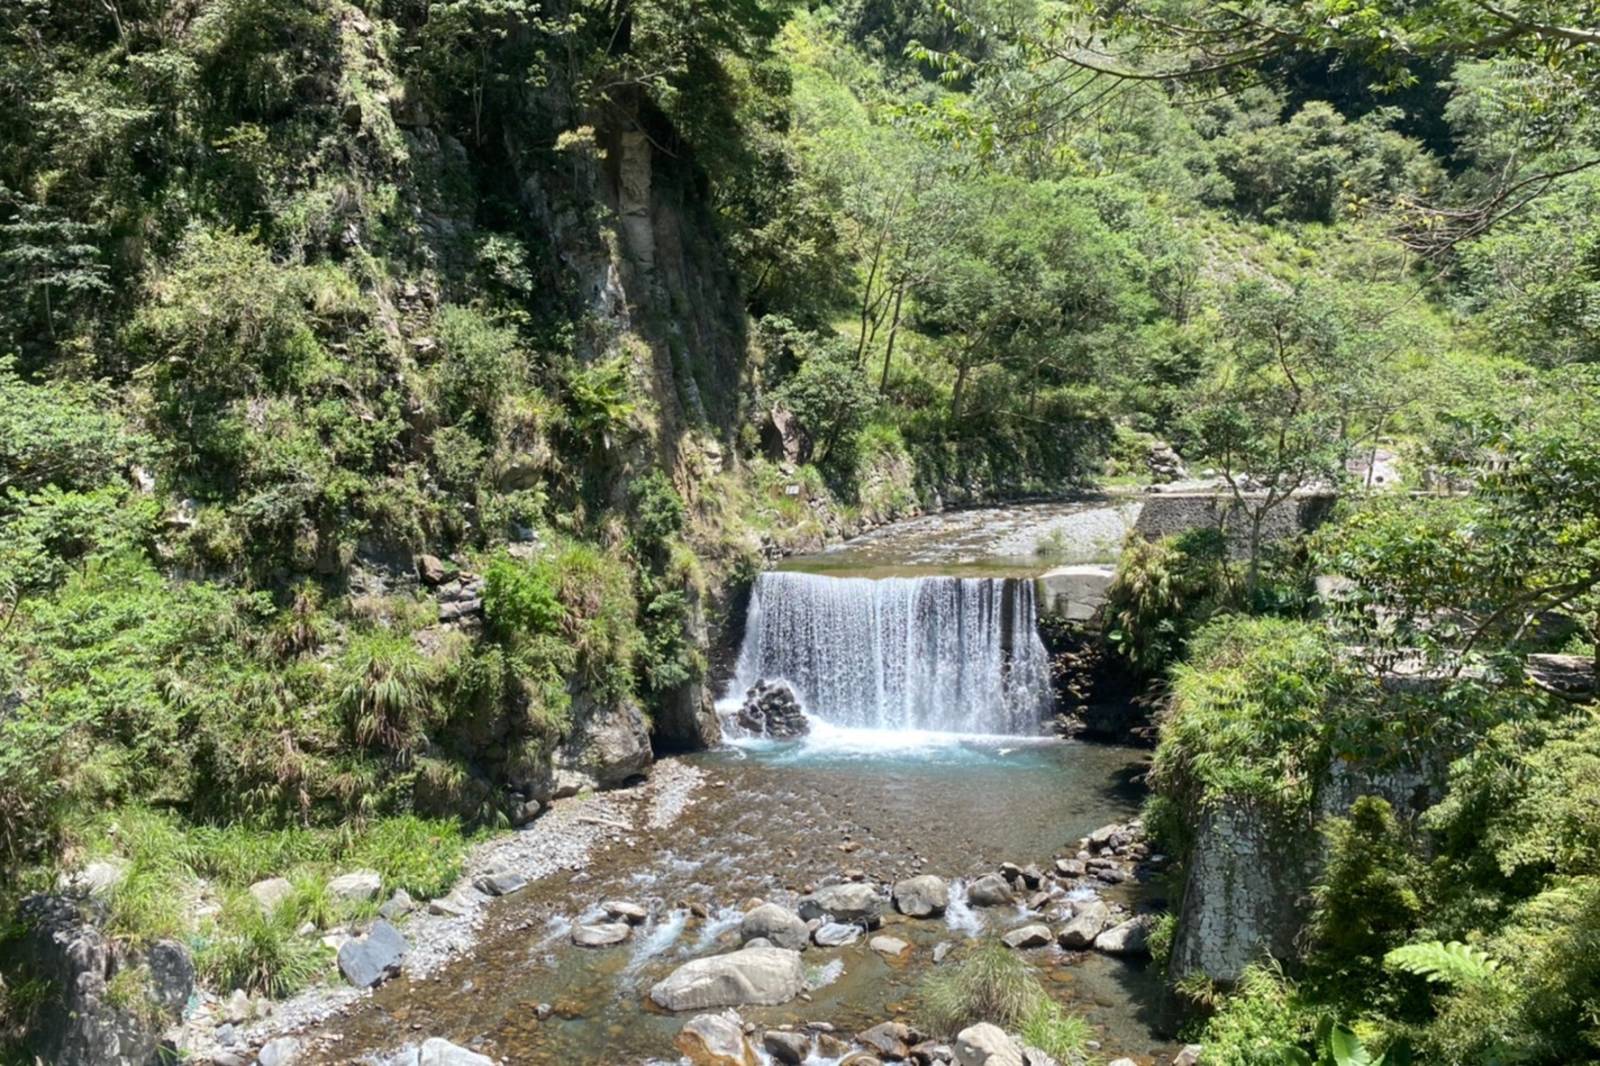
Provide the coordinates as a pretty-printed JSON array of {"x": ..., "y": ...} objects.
[{"x": 563, "y": 838}]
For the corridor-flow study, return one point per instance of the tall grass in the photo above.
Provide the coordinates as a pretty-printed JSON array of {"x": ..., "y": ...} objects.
[{"x": 995, "y": 984}]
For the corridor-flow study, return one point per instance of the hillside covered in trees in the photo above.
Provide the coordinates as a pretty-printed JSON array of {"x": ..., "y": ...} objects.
[{"x": 398, "y": 396}]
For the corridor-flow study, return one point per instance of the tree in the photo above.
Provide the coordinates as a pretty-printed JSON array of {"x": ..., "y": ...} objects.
[{"x": 1264, "y": 418}]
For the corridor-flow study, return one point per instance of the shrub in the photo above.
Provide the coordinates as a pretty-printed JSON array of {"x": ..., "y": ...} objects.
[
  {"x": 388, "y": 694},
  {"x": 1163, "y": 590},
  {"x": 260, "y": 952},
  {"x": 1366, "y": 903},
  {"x": 995, "y": 984},
  {"x": 520, "y": 598},
  {"x": 1254, "y": 714}
]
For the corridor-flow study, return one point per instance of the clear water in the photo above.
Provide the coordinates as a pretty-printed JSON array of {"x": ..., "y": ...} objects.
[
  {"x": 931, "y": 655},
  {"x": 782, "y": 817}
]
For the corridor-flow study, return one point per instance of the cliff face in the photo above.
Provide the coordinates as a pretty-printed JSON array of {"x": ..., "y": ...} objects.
[{"x": 1248, "y": 878}]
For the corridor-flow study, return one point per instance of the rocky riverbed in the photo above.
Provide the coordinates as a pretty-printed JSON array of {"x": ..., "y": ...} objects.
[{"x": 833, "y": 864}]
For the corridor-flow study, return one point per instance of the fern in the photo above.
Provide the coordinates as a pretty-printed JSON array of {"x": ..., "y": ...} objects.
[{"x": 1454, "y": 963}]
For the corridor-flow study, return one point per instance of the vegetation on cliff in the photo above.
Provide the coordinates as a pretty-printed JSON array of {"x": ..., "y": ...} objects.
[{"x": 391, "y": 392}]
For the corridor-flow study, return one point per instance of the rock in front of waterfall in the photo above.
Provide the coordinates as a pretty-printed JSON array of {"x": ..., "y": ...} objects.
[{"x": 771, "y": 709}]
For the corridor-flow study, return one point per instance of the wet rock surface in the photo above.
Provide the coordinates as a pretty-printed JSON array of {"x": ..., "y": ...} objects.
[{"x": 771, "y": 709}]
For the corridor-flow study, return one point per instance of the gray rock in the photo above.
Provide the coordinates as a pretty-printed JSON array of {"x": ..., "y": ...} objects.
[
  {"x": 95, "y": 880},
  {"x": 622, "y": 910},
  {"x": 608, "y": 746},
  {"x": 835, "y": 934},
  {"x": 715, "y": 1040},
  {"x": 852, "y": 902},
  {"x": 454, "y": 905},
  {"x": 80, "y": 1025},
  {"x": 1132, "y": 937},
  {"x": 1123, "y": 1062},
  {"x": 1034, "y": 1057},
  {"x": 760, "y": 976},
  {"x": 990, "y": 890},
  {"x": 270, "y": 893},
  {"x": 358, "y": 886},
  {"x": 924, "y": 896},
  {"x": 397, "y": 906},
  {"x": 987, "y": 1045},
  {"x": 1089, "y": 921},
  {"x": 1189, "y": 1056},
  {"x": 771, "y": 709},
  {"x": 941, "y": 949},
  {"x": 281, "y": 1051},
  {"x": 891, "y": 946},
  {"x": 229, "y": 1058},
  {"x": 369, "y": 960},
  {"x": 777, "y": 924},
  {"x": 1029, "y": 936},
  {"x": 892, "y": 1040},
  {"x": 439, "y": 1052},
  {"x": 501, "y": 883},
  {"x": 1070, "y": 867},
  {"x": 601, "y": 934},
  {"x": 786, "y": 1047}
]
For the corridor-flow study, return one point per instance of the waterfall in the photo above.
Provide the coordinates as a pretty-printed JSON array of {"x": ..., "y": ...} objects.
[{"x": 945, "y": 654}]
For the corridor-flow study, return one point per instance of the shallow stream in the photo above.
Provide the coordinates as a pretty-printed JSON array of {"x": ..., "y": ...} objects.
[{"x": 772, "y": 820}]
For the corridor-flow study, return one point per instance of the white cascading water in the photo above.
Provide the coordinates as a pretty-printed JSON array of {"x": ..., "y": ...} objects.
[{"x": 936, "y": 654}]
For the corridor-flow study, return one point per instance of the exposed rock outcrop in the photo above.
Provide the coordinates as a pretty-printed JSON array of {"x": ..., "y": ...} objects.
[{"x": 90, "y": 1020}]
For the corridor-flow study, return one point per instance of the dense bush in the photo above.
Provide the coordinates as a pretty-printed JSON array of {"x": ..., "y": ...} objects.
[{"x": 1162, "y": 591}]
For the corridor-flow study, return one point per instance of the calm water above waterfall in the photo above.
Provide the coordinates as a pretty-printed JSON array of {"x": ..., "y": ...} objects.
[{"x": 938, "y": 654}]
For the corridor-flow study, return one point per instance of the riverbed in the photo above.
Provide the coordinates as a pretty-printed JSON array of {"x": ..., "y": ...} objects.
[{"x": 771, "y": 821}]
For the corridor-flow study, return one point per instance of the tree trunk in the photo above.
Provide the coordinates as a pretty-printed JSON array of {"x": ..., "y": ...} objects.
[
  {"x": 1254, "y": 577},
  {"x": 894, "y": 328},
  {"x": 955, "y": 396}
]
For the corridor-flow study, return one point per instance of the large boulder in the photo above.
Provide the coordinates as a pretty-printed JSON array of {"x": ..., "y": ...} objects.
[
  {"x": 369, "y": 960},
  {"x": 990, "y": 890},
  {"x": 1089, "y": 922},
  {"x": 1131, "y": 937},
  {"x": 771, "y": 709},
  {"x": 752, "y": 975},
  {"x": 853, "y": 902},
  {"x": 925, "y": 896},
  {"x": 715, "y": 1040},
  {"x": 778, "y": 924},
  {"x": 440, "y": 1052},
  {"x": 83, "y": 1022},
  {"x": 987, "y": 1045},
  {"x": 783, "y": 438},
  {"x": 609, "y": 745}
]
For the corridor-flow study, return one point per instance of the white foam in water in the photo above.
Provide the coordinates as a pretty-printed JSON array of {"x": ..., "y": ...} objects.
[
  {"x": 959, "y": 917},
  {"x": 824, "y": 975},
  {"x": 901, "y": 662},
  {"x": 658, "y": 938},
  {"x": 720, "y": 921}
]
